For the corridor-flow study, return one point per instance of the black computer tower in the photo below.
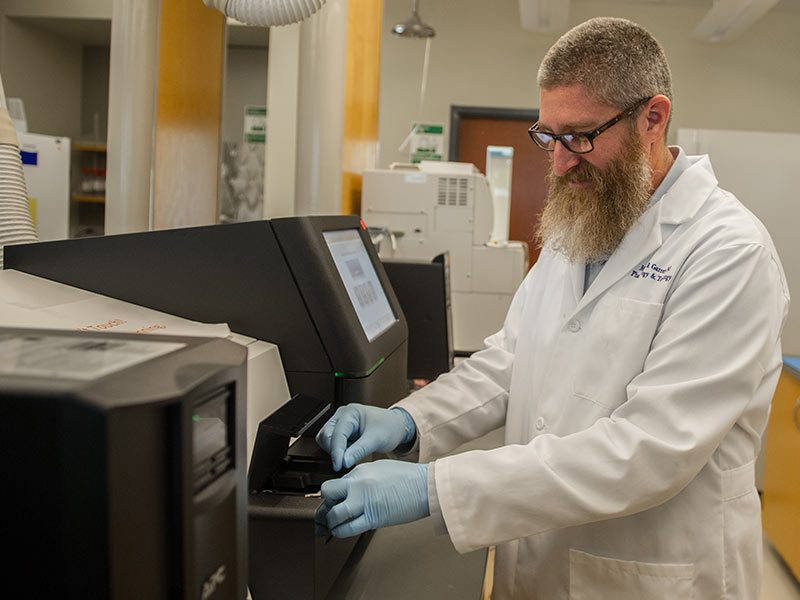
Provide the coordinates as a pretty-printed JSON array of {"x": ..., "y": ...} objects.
[{"x": 125, "y": 464}]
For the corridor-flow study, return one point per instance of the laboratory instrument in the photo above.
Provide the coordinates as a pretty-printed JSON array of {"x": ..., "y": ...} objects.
[{"x": 432, "y": 207}]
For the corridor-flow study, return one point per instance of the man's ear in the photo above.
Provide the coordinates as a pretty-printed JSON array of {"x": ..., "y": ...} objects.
[{"x": 654, "y": 118}]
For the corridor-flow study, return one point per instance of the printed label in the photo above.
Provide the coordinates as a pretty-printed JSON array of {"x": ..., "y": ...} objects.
[{"x": 78, "y": 358}]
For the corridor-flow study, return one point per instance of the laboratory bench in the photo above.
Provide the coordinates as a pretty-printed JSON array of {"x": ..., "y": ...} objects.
[
  {"x": 781, "y": 496},
  {"x": 411, "y": 561}
]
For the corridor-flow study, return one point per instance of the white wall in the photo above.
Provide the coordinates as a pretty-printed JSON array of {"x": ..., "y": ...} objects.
[
  {"x": 766, "y": 184},
  {"x": 482, "y": 57}
]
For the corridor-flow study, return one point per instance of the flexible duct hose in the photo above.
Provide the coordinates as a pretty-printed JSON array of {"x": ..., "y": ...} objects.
[
  {"x": 267, "y": 12},
  {"x": 16, "y": 224}
]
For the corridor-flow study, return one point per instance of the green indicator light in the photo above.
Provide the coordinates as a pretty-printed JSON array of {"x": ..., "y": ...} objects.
[
  {"x": 378, "y": 364},
  {"x": 195, "y": 417},
  {"x": 359, "y": 375}
]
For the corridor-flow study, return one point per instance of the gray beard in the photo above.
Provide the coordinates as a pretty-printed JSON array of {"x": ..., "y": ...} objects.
[{"x": 588, "y": 224}]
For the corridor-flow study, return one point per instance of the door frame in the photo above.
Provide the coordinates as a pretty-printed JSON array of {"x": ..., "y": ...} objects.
[{"x": 483, "y": 112}]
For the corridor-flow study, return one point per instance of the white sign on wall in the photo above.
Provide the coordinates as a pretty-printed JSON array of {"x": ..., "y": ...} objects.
[
  {"x": 255, "y": 124},
  {"x": 427, "y": 142}
]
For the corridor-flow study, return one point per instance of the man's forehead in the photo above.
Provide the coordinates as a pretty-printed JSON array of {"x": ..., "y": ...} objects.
[{"x": 570, "y": 108}]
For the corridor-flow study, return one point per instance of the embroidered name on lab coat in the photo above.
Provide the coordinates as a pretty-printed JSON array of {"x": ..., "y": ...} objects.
[{"x": 652, "y": 271}]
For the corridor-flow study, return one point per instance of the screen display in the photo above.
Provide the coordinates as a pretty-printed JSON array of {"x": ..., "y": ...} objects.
[
  {"x": 361, "y": 281},
  {"x": 210, "y": 428}
]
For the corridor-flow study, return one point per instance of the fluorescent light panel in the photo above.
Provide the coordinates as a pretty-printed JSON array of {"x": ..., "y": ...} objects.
[
  {"x": 544, "y": 15},
  {"x": 730, "y": 18}
]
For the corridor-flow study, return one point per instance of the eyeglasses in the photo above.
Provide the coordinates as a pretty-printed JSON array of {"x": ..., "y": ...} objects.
[{"x": 578, "y": 142}]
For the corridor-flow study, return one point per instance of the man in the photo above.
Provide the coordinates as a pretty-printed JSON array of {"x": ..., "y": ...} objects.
[{"x": 633, "y": 373}]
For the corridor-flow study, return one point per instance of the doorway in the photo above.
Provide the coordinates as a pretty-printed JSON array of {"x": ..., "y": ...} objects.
[{"x": 473, "y": 129}]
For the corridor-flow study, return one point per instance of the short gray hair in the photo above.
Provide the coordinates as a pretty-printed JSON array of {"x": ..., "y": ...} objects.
[{"x": 617, "y": 61}]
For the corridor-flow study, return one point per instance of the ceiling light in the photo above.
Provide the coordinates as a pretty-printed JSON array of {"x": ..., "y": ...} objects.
[
  {"x": 544, "y": 15},
  {"x": 730, "y": 18},
  {"x": 414, "y": 27}
]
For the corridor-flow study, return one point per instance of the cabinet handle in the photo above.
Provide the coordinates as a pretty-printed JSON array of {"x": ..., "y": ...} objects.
[{"x": 794, "y": 414}]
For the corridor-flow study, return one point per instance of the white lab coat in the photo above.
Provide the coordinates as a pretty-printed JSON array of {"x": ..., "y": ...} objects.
[{"x": 633, "y": 414}]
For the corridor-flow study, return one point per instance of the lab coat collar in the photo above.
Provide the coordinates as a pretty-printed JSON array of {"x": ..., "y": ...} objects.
[
  {"x": 682, "y": 201},
  {"x": 678, "y": 205}
]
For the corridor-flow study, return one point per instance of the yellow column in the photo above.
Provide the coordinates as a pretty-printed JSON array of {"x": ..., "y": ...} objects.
[
  {"x": 188, "y": 114},
  {"x": 362, "y": 82}
]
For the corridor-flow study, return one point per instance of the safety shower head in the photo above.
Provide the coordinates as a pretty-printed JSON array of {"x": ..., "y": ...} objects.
[{"x": 413, "y": 27}]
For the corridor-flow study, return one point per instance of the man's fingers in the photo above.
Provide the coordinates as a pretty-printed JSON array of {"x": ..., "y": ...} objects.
[
  {"x": 344, "y": 512},
  {"x": 339, "y": 439},
  {"x": 355, "y": 526},
  {"x": 324, "y": 435},
  {"x": 334, "y": 491},
  {"x": 321, "y": 519},
  {"x": 355, "y": 453},
  {"x": 343, "y": 506}
]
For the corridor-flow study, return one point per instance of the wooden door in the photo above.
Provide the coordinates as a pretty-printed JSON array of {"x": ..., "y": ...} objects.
[{"x": 472, "y": 129}]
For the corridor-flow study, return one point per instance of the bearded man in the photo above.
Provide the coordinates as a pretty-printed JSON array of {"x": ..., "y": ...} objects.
[{"x": 633, "y": 373}]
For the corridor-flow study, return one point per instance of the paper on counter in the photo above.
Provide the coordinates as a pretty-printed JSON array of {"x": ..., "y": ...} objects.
[{"x": 27, "y": 301}]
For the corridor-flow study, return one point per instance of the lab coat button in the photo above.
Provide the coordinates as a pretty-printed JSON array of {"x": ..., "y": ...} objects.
[
  {"x": 574, "y": 326},
  {"x": 540, "y": 423}
]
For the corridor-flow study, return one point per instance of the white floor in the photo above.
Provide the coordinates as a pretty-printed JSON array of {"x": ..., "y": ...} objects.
[{"x": 778, "y": 582}]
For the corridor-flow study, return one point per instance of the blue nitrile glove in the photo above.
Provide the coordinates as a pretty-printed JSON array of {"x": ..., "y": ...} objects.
[
  {"x": 367, "y": 429},
  {"x": 375, "y": 494}
]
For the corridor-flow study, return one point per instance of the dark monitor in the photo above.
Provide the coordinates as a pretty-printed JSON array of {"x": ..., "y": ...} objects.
[
  {"x": 125, "y": 470},
  {"x": 423, "y": 290},
  {"x": 314, "y": 286}
]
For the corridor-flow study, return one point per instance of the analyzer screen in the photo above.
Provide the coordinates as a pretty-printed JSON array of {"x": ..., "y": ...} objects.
[{"x": 361, "y": 281}]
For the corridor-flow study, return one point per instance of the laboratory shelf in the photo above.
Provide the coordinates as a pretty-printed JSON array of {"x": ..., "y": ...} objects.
[{"x": 88, "y": 198}]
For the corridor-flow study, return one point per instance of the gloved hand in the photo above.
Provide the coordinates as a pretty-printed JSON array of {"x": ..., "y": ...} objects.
[
  {"x": 369, "y": 428},
  {"x": 376, "y": 494}
]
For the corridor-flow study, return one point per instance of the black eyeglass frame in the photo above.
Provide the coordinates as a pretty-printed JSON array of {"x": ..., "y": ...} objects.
[{"x": 589, "y": 135}]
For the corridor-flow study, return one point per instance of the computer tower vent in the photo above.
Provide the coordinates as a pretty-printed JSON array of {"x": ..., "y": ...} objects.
[{"x": 453, "y": 191}]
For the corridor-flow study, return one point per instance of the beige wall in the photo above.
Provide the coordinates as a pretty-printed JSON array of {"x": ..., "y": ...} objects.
[
  {"x": 45, "y": 71},
  {"x": 245, "y": 84},
  {"x": 94, "y": 92},
  {"x": 482, "y": 57},
  {"x": 76, "y": 9}
]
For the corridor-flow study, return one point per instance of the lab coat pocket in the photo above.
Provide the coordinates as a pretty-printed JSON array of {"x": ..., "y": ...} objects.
[
  {"x": 615, "y": 342},
  {"x": 592, "y": 577}
]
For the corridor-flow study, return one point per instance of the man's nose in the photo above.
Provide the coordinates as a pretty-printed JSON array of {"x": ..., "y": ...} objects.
[{"x": 563, "y": 159}]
